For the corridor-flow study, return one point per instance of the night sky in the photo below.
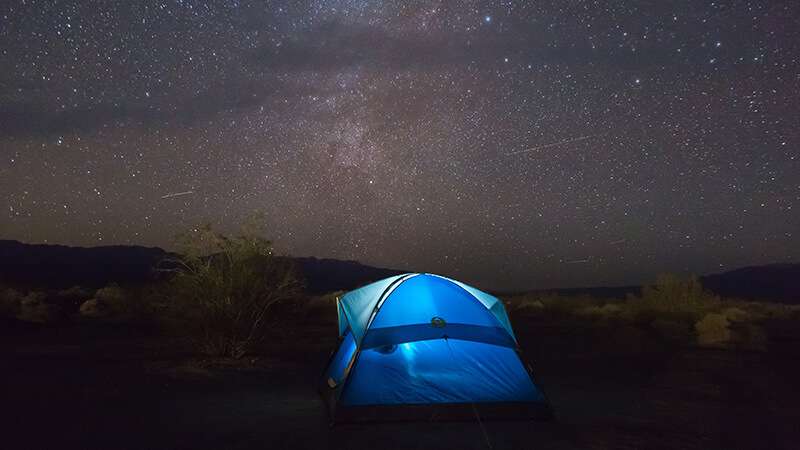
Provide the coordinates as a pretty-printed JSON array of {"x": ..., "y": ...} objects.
[{"x": 508, "y": 144}]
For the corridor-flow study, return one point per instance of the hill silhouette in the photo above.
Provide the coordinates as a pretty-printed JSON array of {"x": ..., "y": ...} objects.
[
  {"x": 59, "y": 266},
  {"x": 776, "y": 282}
]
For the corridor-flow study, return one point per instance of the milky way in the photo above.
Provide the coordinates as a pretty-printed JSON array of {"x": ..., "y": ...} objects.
[{"x": 500, "y": 143}]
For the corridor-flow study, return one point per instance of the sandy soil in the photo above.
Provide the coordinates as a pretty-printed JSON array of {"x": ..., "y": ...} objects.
[{"x": 113, "y": 387}]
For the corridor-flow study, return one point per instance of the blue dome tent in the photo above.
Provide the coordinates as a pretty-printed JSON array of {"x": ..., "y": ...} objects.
[{"x": 422, "y": 346}]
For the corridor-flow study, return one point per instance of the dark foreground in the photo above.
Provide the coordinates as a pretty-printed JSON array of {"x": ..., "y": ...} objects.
[{"x": 93, "y": 386}]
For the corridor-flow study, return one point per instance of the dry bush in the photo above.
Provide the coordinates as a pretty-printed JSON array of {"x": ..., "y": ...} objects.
[
  {"x": 779, "y": 311},
  {"x": 673, "y": 297},
  {"x": 226, "y": 288},
  {"x": 34, "y": 308},
  {"x": 72, "y": 298},
  {"x": 736, "y": 314},
  {"x": 10, "y": 302},
  {"x": 676, "y": 308},
  {"x": 713, "y": 330},
  {"x": 114, "y": 303},
  {"x": 118, "y": 302},
  {"x": 554, "y": 305},
  {"x": 321, "y": 306},
  {"x": 525, "y": 303},
  {"x": 91, "y": 308},
  {"x": 112, "y": 295},
  {"x": 607, "y": 311}
]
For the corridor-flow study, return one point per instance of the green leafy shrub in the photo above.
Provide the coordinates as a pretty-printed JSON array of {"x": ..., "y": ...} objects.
[{"x": 226, "y": 288}]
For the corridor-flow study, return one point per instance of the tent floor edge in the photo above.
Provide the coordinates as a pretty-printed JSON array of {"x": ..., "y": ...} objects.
[{"x": 450, "y": 412}]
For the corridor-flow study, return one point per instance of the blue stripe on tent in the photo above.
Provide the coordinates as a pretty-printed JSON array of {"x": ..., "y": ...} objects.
[
  {"x": 496, "y": 335},
  {"x": 439, "y": 371}
]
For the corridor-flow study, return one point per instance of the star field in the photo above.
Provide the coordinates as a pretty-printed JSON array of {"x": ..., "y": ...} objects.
[{"x": 510, "y": 144}]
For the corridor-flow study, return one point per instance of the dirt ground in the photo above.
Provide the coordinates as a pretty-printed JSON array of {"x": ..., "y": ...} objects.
[{"x": 108, "y": 387}]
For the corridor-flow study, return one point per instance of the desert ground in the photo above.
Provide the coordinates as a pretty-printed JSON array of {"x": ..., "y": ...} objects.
[{"x": 109, "y": 385}]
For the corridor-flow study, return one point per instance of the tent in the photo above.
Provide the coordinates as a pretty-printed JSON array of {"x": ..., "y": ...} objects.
[{"x": 422, "y": 346}]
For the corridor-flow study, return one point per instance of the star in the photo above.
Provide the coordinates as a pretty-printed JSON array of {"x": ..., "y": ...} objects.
[{"x": 613, "y": 125}]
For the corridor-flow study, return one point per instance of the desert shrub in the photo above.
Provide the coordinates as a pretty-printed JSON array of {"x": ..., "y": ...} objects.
[
  {"x": 225, "y": 289},
  {"x": 69, "y": 300},
  {"x": 10, "y": 301},
  {"x": 674, "y": 297},
  {"x": 91, "y": 308},
  {"x": 525, "y": 304},
  {"x": 321, "y": 306},
  {"x": 779, "y": 311},
  {"x": 532, "y": 304},
  {"x": 110, "y": 302},
  {"x": 607, "y": 311},
  {"x": 553, "y": 304},
  {"x": 34, "y": 308},
  {"x": 76, "y": 292},
  {"x": 735, "y": 314},
  {"x": 713, "y": 330},
  {"x": 575, "y": 303},
  {"x": 111, "y": 294},
  {"x": 116, "y": 301}
]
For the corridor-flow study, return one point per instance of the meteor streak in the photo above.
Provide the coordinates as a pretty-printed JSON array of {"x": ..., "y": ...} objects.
[
  {"x": 552, "y": 144},
  {"x": 578, "y": 261},
  {"x": 177, "y": 194}
]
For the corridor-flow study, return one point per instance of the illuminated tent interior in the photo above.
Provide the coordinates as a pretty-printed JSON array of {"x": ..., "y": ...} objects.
[{"x": 422, "y": 346}]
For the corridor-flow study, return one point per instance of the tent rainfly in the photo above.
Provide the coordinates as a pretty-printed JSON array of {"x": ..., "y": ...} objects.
[{"x": 422, "y": 346}]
